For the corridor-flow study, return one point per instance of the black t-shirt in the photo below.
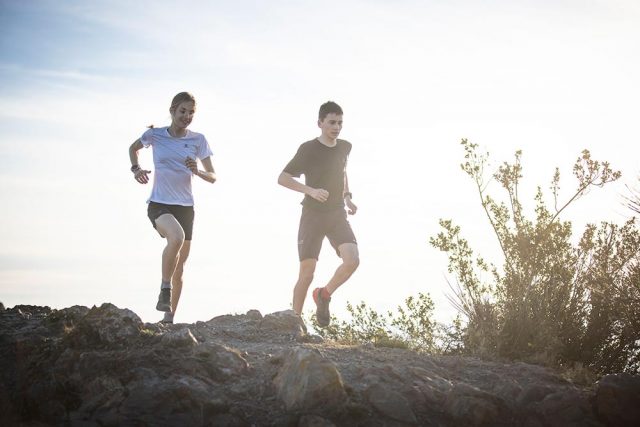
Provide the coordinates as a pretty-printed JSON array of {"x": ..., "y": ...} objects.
[{"x": 323, "y": 167}]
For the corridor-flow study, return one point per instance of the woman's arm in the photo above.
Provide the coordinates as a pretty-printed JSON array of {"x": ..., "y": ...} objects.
[
  {"x": 139, "y": 174},
  {"x": 208, "y": 174}
]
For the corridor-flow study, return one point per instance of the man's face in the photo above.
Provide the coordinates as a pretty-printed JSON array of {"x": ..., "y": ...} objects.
[{"x": 331, "y": 125}]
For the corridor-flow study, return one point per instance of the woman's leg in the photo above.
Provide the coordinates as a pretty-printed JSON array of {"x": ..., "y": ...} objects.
[
  {"x": 176, "y": 280},
  {"x": 170, "y": 228}
]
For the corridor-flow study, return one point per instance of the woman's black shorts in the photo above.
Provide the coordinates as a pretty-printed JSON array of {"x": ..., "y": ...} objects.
[{"x": 183, "y": 214}]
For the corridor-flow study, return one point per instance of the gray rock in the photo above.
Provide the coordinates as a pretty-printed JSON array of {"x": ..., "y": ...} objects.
[
  {"x": 310, "y": 339},
  {"x": 471, "y": 406},
  {"x": 533, "y": 394},
  {"x": 433, "y": 387},
  {"x": 507, "y": 389},
  {"x": 391, "y": 404},
  {"x": 106, "y": 325},
  {"x": 617, "y": 400},
  {"x": 104, "y": 395},
  {"x": 254, "y": 315},
  {"x": 179, "y": 338},
  {"x": 177, "y": 400},
  {"x": 226, "y": 420},
  {"x": 223, "y": 362},
  {"x": 314, "y": 421},
  {"x": 307, "y": 381},
  {"x": 566, "y": 408},
  {"x": 102, "y": 367},
  {"x": 287, "y": 322}
]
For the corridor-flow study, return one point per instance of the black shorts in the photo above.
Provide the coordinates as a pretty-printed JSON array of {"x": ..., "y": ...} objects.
[
  {"x": 183, "y": 214},
  {"x": 315, "y": 225}
]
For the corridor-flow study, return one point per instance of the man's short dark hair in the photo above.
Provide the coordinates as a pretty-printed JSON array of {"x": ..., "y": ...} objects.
[{"x": 328, "y": 108}]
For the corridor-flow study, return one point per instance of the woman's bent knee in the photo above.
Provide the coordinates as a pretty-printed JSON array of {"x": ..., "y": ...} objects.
[{"x": 175, "y": 239}]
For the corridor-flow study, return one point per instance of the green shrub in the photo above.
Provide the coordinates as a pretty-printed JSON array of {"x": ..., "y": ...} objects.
[
  {"x": 548, "y": 298},
  {"x": 411, "y": 327}
]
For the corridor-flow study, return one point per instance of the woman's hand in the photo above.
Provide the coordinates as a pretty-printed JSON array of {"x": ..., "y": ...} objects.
[
  {"x": 192, "y": 164},
  {"x": 141, "y": 175}
]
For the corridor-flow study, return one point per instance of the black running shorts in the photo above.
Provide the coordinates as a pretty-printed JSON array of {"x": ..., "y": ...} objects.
[
  {"x": 183, "y": 214},
  {"x": 315, "y": 225}
]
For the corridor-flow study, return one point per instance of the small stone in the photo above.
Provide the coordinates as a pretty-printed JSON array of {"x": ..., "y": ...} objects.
[
  {"x": 179, "y": 338},
  {"x": 284, "y": 321},
  {"x": 254, "y": 315}
]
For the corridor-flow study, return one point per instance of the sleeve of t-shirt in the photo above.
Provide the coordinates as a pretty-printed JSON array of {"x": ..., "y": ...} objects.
[
  {"x": 297, "y": 165},
  {"x": 204, "y": 150},
  {"x": 147, "y": 138}
]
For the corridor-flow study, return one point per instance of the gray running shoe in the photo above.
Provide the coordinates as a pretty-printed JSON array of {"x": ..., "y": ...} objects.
[
  {"x": 322, "y": 311},
  {"x": 164, "y": 300}
]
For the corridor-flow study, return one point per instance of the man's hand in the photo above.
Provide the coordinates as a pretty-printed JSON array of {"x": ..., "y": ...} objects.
[
  {"x": 352, "y": 207},
  {"x": 320, "y": 194}
]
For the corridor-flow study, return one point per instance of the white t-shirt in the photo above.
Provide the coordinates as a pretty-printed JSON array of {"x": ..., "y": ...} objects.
[{"x": 172, "y": 178}]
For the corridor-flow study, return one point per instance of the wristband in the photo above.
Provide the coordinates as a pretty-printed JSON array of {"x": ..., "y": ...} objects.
[
  {"x": 135, "y": 168},
  {"x": 348, "y": 193}
]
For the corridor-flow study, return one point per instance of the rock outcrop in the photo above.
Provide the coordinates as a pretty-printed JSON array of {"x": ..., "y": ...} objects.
[{"x": 104, "y": 367}]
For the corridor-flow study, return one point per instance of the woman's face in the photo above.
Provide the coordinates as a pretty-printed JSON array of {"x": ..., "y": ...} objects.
[{"x": 183, "y": 114}]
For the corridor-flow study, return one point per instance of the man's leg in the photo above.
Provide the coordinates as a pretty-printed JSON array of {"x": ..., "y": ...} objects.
[
  {"x": 322, "y": 296},
  {"x": 305, "y": 277},
  {"x": 350, "y": 261}
]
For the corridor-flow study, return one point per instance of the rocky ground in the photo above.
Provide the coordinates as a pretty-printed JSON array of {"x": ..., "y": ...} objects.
[{"x": 104, "y": 367}]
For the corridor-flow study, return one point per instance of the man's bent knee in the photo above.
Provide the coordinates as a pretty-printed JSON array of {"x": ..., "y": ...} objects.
[
  {"x": 349, "y": 254},
  {"x": 352, "y": 263}
]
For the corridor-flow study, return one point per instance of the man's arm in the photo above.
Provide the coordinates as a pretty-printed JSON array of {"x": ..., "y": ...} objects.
[
  {"x": 286, "y": 180},
  {"x": 347, "y": 196}
]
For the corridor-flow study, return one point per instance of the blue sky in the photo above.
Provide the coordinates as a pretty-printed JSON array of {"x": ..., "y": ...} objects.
[{"x": 81, "y": 80}]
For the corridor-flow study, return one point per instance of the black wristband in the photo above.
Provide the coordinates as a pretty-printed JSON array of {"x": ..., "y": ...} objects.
[
  {"x": 135, "y": 168},
  {"x": 348, "y": 193}
]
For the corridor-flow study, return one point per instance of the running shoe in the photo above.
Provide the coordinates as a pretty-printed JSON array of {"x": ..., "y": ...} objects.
[
  {"x": 164, "y": 300},
  {"x": 322, "y": 311}
]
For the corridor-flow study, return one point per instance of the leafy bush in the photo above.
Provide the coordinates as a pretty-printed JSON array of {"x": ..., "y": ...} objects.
[
  {"x": 410, "y": 327},
  {"x": 548, "y": 300}
]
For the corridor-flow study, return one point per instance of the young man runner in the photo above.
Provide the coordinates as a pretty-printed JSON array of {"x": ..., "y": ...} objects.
[{"x": 323, "y": 161}]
